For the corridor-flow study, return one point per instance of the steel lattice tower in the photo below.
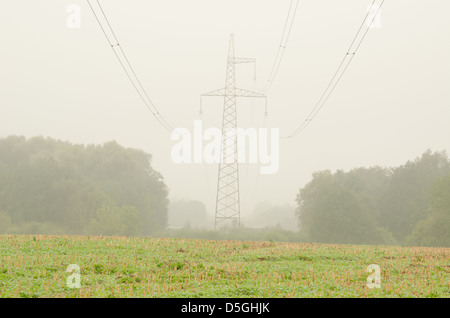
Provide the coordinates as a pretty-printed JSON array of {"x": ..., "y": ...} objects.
[{"x": 227, "y": 200}]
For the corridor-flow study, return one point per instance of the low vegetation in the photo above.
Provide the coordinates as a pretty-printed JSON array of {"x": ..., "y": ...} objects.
[{"x": 35, "y": 266}]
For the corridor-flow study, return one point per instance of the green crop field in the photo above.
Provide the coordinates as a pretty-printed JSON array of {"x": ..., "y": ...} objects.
[{"x": 36, "y": 266}]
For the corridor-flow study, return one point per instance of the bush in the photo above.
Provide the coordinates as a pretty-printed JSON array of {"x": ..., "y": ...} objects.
[
  {"x": 46, "y": 228},
  {"x": 5, "y": 222},
  {"x": 434, "y": 230},
  {"x": 115, "y": 220},
  {"x": 275, "y": 234}
]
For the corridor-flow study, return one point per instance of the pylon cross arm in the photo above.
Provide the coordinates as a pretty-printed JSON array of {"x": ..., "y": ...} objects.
[
  {"x": 217, "y": 92},
  {"x": 237, "y": 60},
  {"x": 238, "y": 92},
  {"x": 246, "y": 93}
]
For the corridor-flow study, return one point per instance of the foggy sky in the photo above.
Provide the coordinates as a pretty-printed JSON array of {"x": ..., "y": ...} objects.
[{"x": 392, "y": 104}]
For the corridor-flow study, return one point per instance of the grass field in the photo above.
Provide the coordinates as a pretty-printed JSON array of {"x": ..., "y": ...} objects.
[{"x": 35, "y": 266}]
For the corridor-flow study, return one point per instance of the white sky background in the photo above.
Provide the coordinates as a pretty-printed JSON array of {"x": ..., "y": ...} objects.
[{"x": 392, "y": 104}]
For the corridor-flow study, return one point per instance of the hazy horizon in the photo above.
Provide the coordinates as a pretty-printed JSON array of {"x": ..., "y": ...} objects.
[{"x": 391, "y": 105}]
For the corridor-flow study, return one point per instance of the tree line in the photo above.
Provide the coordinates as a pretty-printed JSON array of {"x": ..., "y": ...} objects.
[
  {"x": 405, "y": 205},
  {"x": 54, "y": 187},
  {"x": 49, "y": 186}
]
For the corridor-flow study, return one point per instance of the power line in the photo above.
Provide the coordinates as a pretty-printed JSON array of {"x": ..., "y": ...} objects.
[
  {"x": 345, "y": 62},
  {"x": 135, "y": 82},
  {"x": 132, "y": 69},
  {"x": 281, "y": 47}
]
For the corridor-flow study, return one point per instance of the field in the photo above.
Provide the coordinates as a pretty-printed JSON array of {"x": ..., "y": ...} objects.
[{"x": 35, "y": 266}]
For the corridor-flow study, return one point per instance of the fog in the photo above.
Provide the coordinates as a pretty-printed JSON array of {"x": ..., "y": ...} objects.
[{"x": 391, "y": 105}]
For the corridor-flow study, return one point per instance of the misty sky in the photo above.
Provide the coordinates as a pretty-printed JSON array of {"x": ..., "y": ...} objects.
[{"x": 392, "y": 104}]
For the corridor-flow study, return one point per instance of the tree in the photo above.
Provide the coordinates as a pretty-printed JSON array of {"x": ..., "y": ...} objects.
[
  {"x": 5, "y": 222},
  {"x": 188, "y": 213},
  {"x": 407, "y": 193},
  {"x": 115, "y": 220},
  {"x": 331, "y": 211},
  {"x": 393, "y": 200},
  {"x": 46, "y": 181},
  {"x": 268, "y": 215},
  {"x": 434, "y": 230}
]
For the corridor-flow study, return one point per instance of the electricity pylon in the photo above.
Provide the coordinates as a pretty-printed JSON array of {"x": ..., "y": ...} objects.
[{"x": 227, "y": 200}]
